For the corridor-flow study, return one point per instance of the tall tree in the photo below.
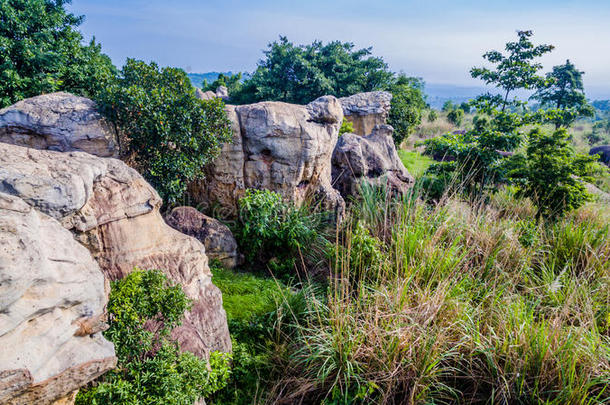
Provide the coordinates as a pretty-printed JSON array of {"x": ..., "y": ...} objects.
[
  {"x": 516, "y": 69},
  {"x": 41, "y": 51},
  {"x": 565, "y": 92}
]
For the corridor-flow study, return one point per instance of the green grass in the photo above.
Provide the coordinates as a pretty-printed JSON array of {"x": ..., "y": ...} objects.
[
  {"x": 415, "y": 162},
  {"x": 245, "y": 295}
]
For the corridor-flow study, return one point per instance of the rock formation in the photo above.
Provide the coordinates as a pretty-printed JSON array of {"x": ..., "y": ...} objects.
[
  {"x": 370, "y": 159},
  {"x": 604, "y": 153},
  {"x": 221, "y": 92},
  {"x": 277, "y": 146},
  {"x": 58, "y": 121},
  {"x": 366, "y": 110},
  {"x": 216, "y": 237},
  {"x": 49, "y": 287},
  {"x": 112, "y": 211}
]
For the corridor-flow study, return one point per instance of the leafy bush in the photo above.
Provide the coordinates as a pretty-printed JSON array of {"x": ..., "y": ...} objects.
[
  {"x": 432, "y": 116},
  {"x": 151, "y": 368},
  {"x": 275, "y": 232},
  {"x": 549, "y": 173},
  {"x": 346, "y": 127},
  {"x": 170, "y": 134},
  {"x": 408, "y": 102},
  {"x": 456, "y": 116},
  {"x": 41, "y": 52}
]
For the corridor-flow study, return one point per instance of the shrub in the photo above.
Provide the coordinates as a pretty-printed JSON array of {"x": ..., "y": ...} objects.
[
  {"x": 432, "y": 116},
  {"x": 170, "y": 134},
  {"x": 275, "y": 232},
  {"x": 456, "y": 116},
  {"x": 151, "y": 368},
  {"x": 549, "y": 173},
  {"x": 346, "y": 127}
]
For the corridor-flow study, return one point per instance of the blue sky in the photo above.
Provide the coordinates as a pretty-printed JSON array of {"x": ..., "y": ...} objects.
[{"x": 438, "y": 40}]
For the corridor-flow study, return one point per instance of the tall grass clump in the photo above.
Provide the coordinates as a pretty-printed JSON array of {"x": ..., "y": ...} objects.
[{"x": 455, "y": 303}]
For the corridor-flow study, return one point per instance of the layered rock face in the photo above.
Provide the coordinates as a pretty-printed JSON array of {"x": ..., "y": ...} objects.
[
  {"x": 52, "y": 302},
  {"x": 216, "y": 237},
  {"x": 370, "y": 159},
  {"x": 366, "y": 110},
  {"x": 114, "y": 213},
  {"x": 277, "y": 146},
  {"x": 59, "y": 121}
]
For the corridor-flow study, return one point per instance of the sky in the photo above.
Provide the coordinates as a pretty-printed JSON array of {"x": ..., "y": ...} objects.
[{"x": 437, "y": 40}]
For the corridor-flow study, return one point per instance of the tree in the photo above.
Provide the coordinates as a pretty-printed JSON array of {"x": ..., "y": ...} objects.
[
  {"x": 516, "y": 70},
  {"x": 143, "y": 309},
  {"x": 169, "y": 134},
  {"x": 408, "y": 103},
  {"x": 432, "y": 116},
  {"x": 301, "y": 73},
  {"x": 565, "y": 93},
  {"x": 448, "y": 106},
  {"x": 552, "y": 174},
  {"x": 41, "y": 52},
  {"x": 456, "y": 116}
]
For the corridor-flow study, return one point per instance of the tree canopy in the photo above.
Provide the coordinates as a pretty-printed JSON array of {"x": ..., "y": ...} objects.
[{"x": 41, "y": 52}]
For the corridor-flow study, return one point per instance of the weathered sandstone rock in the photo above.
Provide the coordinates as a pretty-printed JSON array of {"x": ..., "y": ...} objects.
[
  {"x": 216, "y": 237},
  {"x": 277, "y": 146},
  {"x": 371, "y": 159},
  {"x": 366, "y": 110},
  {"x": 50, "y": 287},
  {"x": 113, "y": 212},
  {"x": 604, "y": 153},
  {"x": 58, "y": 121},
  {"x": 221, "y": 92}
]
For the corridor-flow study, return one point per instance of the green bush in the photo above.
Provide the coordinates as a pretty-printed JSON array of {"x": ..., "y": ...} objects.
[
  {"x": 432, "y": 116},
  {"x": 549, "y": 173},
  {"x": 456, "y": 116},
  {"x": 151, "y": 368},
  {"x": 170, "y": 134},
  {"x": 346, "y": 127},
  {"x": 275, "y": 232}
]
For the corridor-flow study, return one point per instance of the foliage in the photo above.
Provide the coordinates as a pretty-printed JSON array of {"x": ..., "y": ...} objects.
[
  {"x": 151, "y": 368},
  {"x": 170, "y": 134},
  {"x": 407, "y": 105},
  {"x": 41, "y": 52},
  {"x": 473, "y": 156},
  {"x": 565, "y": 92},
  {"x": 301, "y": 73},
  {"x": 346, "y": 127},
  {"x": 232, "y": 82},
  {"x": 448, "y": 106},
  {"x": 516, "y": 70},
  {"x": 551, "y": 174},
  {"x": 276, "y": 232},
  {"x": 432, "y": 116},
  {"x": 456, "y": 116}
]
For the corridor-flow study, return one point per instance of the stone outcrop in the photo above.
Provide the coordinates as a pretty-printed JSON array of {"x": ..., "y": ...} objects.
[
  {"x": 216, "y": 237},
  {"x": 604, "y": 153},
  {"x": 114, "y": 212},
  {"x": 370, "y": 159},
  {"x": 221, "y": 92},
  {"x": 50, "y": 286},
  {"x": 366, "y": 110},
  {"x": 58, "y": 121},
  {"x": 277, "y": 146}
]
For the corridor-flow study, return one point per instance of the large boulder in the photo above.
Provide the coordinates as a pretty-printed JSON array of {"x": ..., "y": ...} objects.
[
  {"x": 277, "y": 146},
  {"x": 221, "y": 92},
  {"x": 216, "y": 237},
  {"x": 370, "y": 159},
  {"x": 604, "y": 153},
  {"x": 52, "y": 302},
  {"x": 114, "y": 212},
  {"x": 58, "y": 121},
  {"x": 366, "y": 110}
]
